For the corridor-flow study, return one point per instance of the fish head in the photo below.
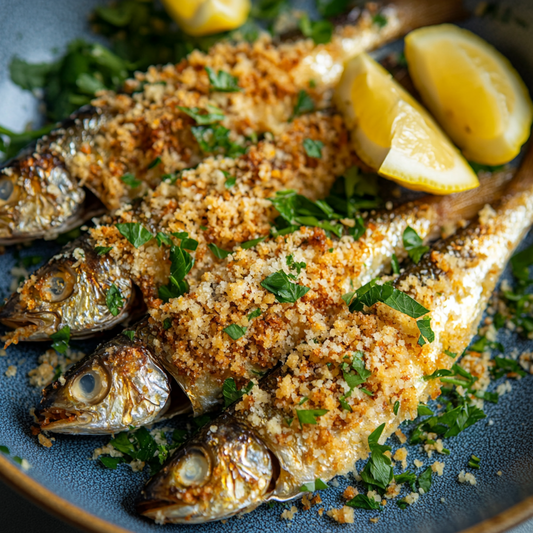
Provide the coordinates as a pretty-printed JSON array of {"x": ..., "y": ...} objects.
[
  {"x": 119, "y": 386},
  {"x": 38, "y": 197},
  {"x": 223, "y": 471},
  {"x": 70, "y": 290}
]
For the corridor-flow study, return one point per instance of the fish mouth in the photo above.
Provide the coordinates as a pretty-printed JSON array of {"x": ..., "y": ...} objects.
[
  {"x": 61, "y": 420},
  {"x": 29, "y": 326}
]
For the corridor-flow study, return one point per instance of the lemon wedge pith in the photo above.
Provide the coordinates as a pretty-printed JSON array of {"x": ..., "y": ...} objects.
[
  {"x": 204, "y": 17},
  {"x": 395, "y": 135},
  {"x": 473, "y": 91}
]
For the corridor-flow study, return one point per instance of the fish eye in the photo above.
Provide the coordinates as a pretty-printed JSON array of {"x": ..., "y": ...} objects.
[
  {"x": 7, "y": 190},
  {"x": 91, "y": 386},
  {"x": 57, "y": 285},
  {"x": 193, "y": 468}
]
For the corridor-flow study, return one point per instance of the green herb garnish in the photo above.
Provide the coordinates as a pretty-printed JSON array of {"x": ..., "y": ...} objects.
[
  {"x": 61, "y": 339},
  {"x": 235, "y": 331},
  {"x": 413, "y": 244},
  {"x": 304, "y": 104},
  {"x": 254, "y": 314},
  {"x": 362, "y": 501},
  {"x": 309, "y": 416},
  {"x": 114, "y": 300},
  {"x": 250, "y": 244},
  {"x": 283, "y": 288},
  {"x": 130, "y": 180},
  {"x": 155, "y": 162},
  {"x": 231, "y": 393},
  {"x": 219, "y": 253},
  {"x": 313, "y": 148},
  {"x": 426, "y": 333},
  {"x": 135, "y": 233},
  {"x": 311, "y": 486},
  {"x": 222, "y": 81},
  {"x": 102, "y": 250},
  {"x": 378, "y": 470},
  {"x": 318, "y": 30},
  {"x": 202, "y": 116}
]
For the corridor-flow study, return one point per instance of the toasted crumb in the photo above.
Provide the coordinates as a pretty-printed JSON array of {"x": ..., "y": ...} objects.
[
  {"x": 401, "y": 455},
  {"x": 344, "y": 515},
  {"x": 11, "y": 371},
  {"x": 3, "y": 352},
  {"x": 438, "y": 468},
  {"x": 499, "y": 472},
  {"x": 44, "y": 441},
  {"x": 316, "y": 500},
  {"x": 412, "y": 498},
  {"x": 321, "y": 511},
  {"x": 25, "y": 465},
  {"x": 401, "y": 437},
  {"x": 466, "y": 478},
  {"x": 375, "y": 520},
  {"x": 350, "y": 492},
  {"x": 442, "y": 500},
  {"x": 392, "y": 491},
  {"x": 306, "y": 504},
  {"x": 418, "y": 463},
  {"x": 288, "y": 514}
]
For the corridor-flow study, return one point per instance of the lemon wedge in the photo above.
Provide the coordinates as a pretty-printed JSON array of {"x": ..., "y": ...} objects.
[
  {"x": 472, "y": 90},
  {"x": 204, "y": 17},
  {"x": 394, "y": 134}
]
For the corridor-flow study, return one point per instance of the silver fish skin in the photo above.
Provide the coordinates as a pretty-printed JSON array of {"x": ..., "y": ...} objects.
[
  {"x": 119, "y": 386},
  {"x": 43, "y": 191},
  {"x": 284, "y": 326},
  {"x": 454, "y": 281},
  {"x": 70, "y": 290}
]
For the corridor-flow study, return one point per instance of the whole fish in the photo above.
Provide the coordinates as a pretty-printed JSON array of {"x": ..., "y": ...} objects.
[
  {"x": 223, "y": 201},
  {"x": 189, "y": 336},
  {"x": 171, "y": 117},
  {"x": 265, "y": 448}
]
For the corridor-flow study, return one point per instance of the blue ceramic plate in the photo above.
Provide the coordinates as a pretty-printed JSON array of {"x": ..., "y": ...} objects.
[{"x": 65, "y": 481}]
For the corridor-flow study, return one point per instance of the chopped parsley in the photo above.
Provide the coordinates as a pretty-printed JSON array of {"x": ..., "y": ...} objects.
[
  {"x": 311, "y": 486},
  {"x": 503, "y": 366},
  {"x": 130, "y": 180},
  {"x": 250, "y": 244},
  {"x": 171, "y": 178},
  {"x": 135, "y": 233},
  {"x": 426, "y": 333},
  {"x": 474, "y": 462},
  {"x": 216, "y": 138},
  {"x": 204, "y": 116},
  {"x": 235, "y": 331},
  {"x": 230, "y": 180},
  {"x": 155, "y": 162},
  {"x": 332, "y": 8},
  {"x": 102, "y": 250},
  {"x": 313, "y": 148},
  {"x": 129, "y": 333},
  {"x": 396, "y": 407},
  {"x": 222, "y": 81},
  {"x": 167, "y": 324},
  {"x": 406, "y": 477},
  {"x": 309, "y": 416},
  {"x": 304, "y": 104},
  {"x": 219, "y": 253},
  {"x": 114, "y": 300},
  {"x": 355, "y": 372},
  {"x": 163, "y": 238},
  {"x": 181, "y": 263},
  {"x": 293, "y": 265},
  {"x": 413, "y": 244},
  {"x": 318, "y": 30},
  {"x": 378, "y": 470},
  {"x": 362, "y": 501},
  {"x": 395, "y": 265},
  {"x": 254, "y": 314},
  {"x": 61, "y": 339},
  {"x": 372, "y": 293},
  {"x": 231, "y": 393},
  {"x": 283, "y": 288},
  {"x": 424, "y": 480},
  {"x": 379, "y": 20}
]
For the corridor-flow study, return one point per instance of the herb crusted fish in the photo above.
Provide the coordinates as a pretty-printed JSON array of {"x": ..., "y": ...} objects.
[
  {"x": 247, "y": 313},
  {"x": 312, "y": 419},
  {"x": 171, "y": 117}
]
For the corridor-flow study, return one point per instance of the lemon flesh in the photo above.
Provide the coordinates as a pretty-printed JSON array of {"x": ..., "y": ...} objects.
[
  {"x": 472, "y": 90},
  {"x": 395, "y": 135},
  {"x": 204, "y": 17}
]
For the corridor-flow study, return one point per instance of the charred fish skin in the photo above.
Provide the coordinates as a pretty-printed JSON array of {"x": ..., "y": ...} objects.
[
  {"x": 71, "y": 290},
  {"x": 119, "y": 386},
  {"x": 227, "y": 461},
  {"x": 454, "y": 281}
]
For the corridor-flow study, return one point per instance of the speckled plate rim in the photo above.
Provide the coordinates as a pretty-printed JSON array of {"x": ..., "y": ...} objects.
[{"x": 51, "y": 502}]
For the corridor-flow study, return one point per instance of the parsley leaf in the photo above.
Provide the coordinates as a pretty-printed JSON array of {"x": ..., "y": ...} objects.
[
  {"x": 311, "y": 486},
  {"x": 304, "y": 104},
  {"x": 111, "y": 462},
  {"x": 520, "y": 263},
  {"x": 135, "y": 233},
  {"x": 361, "y": 373},
  {"x": 426, "y": 333},
  {"x": 230, "y": 180},
  {"x": 362, "y": 501},
  {"x": 167, "y": 324},
  {"x": 102, "y": 250},
  {"x": 219, "y": 253},
  {"x": 250, "y": 244},
  {"x": 231, "y": 393},
  {"x": 395, "y": 265},
  {"x": 114, "y": 300},
  {"x": 254, "y": 314},
  {"x": 285, "y": 290},
  {"x": 424, "y": 410},
  {"x": 332, "y": 8},
  {"x": 181, "y": 263},
  {"x": 319, "y": 30},
  {"x": 359, "y": 228},
  {"x": 413, "y": 244},
  {"x": 202, "y": 116},
  {"x": 406, "y": 477},
  {"x": 216, "y": 138},
  {"x": 379, "y": 20},
  {"x": 155, "y": 162},
  {"x": 61, "y": 339},
  {"x": 163, "y": 238},
  {"x": 378, "y": 470},
  {"x": 309, "y": 416},
  {"x": 130, "y": 334},
  {"x": 396, "y": 407},
  {"x": 504, "y": 366},
  {"x": 130, "y": 180},
  {"x": 313, "y": 148},
  {"x": 424, "y": 480},
  {"x": 235, "y": 331},
  {"x": 441, "y": 372},
  {"x": 372, "y": 293},
  {"x": 222, "y": 81}
]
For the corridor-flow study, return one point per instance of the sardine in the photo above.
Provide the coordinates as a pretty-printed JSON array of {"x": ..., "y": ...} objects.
[
  {"x": 200, "y": 198},
  {"x": 258, "y": 452},
  {"x": 187, "y": 335},
  {"x": 142, "y": 131}
]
